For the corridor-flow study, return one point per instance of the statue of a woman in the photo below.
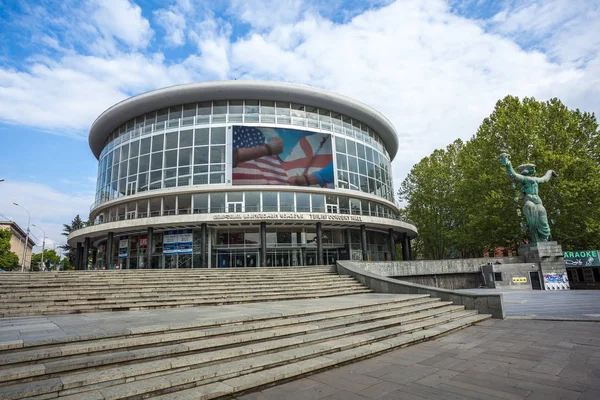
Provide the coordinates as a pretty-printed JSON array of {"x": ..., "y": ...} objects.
[{"x": 533, "y": 209}]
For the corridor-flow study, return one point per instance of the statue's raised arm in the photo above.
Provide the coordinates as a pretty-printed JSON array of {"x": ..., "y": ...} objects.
[
  {"x": 505, "y": 159},
  {"x": 549, "y": 174}
]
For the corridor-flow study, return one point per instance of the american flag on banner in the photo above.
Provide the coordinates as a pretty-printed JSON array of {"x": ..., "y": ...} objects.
[{"x": 310, "y": 154}]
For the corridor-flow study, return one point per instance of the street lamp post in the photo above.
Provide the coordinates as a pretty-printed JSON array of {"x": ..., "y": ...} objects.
[
  {"x": 43, "y": 245},
  {"x": 26, "y": 237}
]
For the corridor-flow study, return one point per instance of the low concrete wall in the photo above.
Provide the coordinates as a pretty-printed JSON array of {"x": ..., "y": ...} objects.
[
  {"x": 484, "y": 303},
  {"x": 433, "y": 267},
  {"x": 446, "y": 281}
]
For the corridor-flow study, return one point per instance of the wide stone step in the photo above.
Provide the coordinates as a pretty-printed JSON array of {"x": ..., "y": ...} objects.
[
  {"x": 57, "y": 358},
  {"x": 209, "y": 366},
  {"x": 165, "y": 291},
  {"x": 66, "y": 309}
]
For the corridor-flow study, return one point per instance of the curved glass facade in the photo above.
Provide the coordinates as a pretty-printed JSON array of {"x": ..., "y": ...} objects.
[{"x": 191, "y": 145}]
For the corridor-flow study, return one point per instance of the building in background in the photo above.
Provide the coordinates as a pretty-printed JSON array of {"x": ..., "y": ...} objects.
[
  {"x": 17, "y": 241},
  {"x": 241, "y": 174}
]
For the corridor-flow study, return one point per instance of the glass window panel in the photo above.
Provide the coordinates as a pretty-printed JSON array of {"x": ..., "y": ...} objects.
[
  {"x": 186, "y": 138},
  {"x": 144, "y": 163},
  {"x": 220, "y": 107},
  {"x": 156, "y": 161},
  {"x": 217, "y": 135},
  {"x": 201, "y": 137},
  {"x": 217, "y": 167},
  {"x": 170, "y": 173},
  {"x": 200, "y": 179},
  {"x": 134, "y": 148},
  {"x": 204, "y": 108},
  {"x": 217, "y": 154},
  {"x": 302, "y": 202},
  {"x": 162, "y": 115},
  {"x": 217, "y": 202},
  {"x": 269, "y": 201},
  {"x": 376, "y": 157},
  {"x": 201, "y": 203},
  {"x": 283, "y": 108},
  {"x": 252, "y": 201},
  {"x": 318, "y": 202},
  {"x": 235, "y": 196},
  {"x": 360, "y": 151},
  {"x": 155, "y": 180},
  {"x": 171, "y": 182},
  {"x": 123, "y": 169},
  {"x": 236, "y": 106},
  {"x": 145, "y": 146},
  {"x": 286, "y": 199},
  {"x": 184, "y": 181},
  {"x": 354, "y": 182},
  {"x": 267, "y": 107},
  {"x": 352, "y": 164},
  {"x": 341, "y": 160},
  {"x": 185, "y": 156},
  {"x": 170, "y": 159},
  {"x": 133, "y": 166},
  {"x": 371, "y": 170},
  {"x": 201, "y": 155},
  {"x": 251, "y": 107},
  {"x": 218, "y": 177},
  {"x": 342, "y": 179},
  {"x": 340, "y": 145},
  {"x": 157, "y": 142},
  {"x": 364, "y": 184},
  {"x": 189, "y": 110},
  {"x": 175, "y": 112},
  {"x": 124, "y": 152},
  {"x": 150, "y": 118},
  {"x": 351, "y": 144},
  {"x": 298, "y": 110},
  {"x": 344, "y": 205},
  {"x": 369, "y": 152},
  {"x": 200, "y": 169},
  {"x": 171, "y": 140},
  {"x": 184, "y": 171},
  {"x": 143, "y": 182}
]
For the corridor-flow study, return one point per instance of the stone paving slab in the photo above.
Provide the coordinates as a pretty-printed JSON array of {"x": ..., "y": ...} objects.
[
  {"x": 27, "y": 331},
  {"x": 559, "y": 360}
]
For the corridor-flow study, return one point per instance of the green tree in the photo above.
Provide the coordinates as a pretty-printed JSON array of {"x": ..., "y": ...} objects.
[
  {"x": 50, "y": 259},
  {"x": 8, "y": 259},
  {"x": 463, "y": 203},
  {"x": 76, "y": 223}
]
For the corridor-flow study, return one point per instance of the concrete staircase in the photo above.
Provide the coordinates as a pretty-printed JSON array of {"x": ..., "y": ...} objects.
[
  {"x": 220, "y": 357},
  {"x": 28, "y": 294}
]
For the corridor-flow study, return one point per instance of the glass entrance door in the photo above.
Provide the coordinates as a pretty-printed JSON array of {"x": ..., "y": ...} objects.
[
  {"x": 237, "y": 258},
  {"x": 234, "y": 207}
]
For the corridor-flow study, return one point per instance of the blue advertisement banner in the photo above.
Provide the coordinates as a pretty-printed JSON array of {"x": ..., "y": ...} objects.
[
  {"x": 178, "y": 242},
  {"x": 123, "y": 246}
]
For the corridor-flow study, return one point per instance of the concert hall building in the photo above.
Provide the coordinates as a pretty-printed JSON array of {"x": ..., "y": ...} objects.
[{"x": 241, "y": 174}]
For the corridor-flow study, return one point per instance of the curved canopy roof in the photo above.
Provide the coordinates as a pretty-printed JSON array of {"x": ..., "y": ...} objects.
[{"x": 121, "y": 112}]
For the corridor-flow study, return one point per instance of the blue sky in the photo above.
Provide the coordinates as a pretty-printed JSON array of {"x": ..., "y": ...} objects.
[{"x": 435, "y": 68}]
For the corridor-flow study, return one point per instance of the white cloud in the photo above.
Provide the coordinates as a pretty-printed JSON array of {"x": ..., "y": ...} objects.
[
  {"x": 48, "y": 207},
  {"x": 211, "y": 37},
  {"x": 123, "y": 20},
  {"x": 264, "y": 14},
  {"x": 174, "y": 24}
]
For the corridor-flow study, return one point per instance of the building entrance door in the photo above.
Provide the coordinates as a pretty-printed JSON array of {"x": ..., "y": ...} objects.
[
  {"x": 330, "y": 256},
  {"x": 534, "y": 278},
  {"x": 234, "y": 207},
  {"x": 237, "y": 258}
]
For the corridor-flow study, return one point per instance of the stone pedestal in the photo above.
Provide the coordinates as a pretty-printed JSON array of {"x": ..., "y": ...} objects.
[{"x": 548, "y": 255}]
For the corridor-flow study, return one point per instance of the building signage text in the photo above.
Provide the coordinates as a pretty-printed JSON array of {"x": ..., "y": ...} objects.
[
  {"x": 271, "y": 216},
  {"x": 585, "y": 258}
]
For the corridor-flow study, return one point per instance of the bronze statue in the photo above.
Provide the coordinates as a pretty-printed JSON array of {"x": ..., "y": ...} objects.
[{"x": 533, "y": 209}]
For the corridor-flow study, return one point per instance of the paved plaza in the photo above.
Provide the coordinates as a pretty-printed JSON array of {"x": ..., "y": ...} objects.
[
  {"x": 496, "y": 359},
  {"x": 545, "y": 304}
]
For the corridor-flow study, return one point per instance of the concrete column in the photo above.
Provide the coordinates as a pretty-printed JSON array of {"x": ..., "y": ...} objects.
[
  {"x": 109, "y": 250},
  {"x": 149, "y": 245},
  {"x": 363, "y": 242},
  {"x": 78, "y": 257},
  {"x": 319, "y": 244},
  {"x": 409, "y": 248},
  {"x": 392, "y": 245},
  {"x": 405, "y": 244},
  {"x": 203, "y": 263},
  {"x": 263, "y": 244},
  {"x": 86, "y": 253}
]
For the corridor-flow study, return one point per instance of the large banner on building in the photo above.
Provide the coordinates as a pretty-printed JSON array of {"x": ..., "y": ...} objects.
[
  {"x": 277, "y": 156},
  {"x": 585, "y": 258},
  {"x": 178, "y": 242},
  {"x": 123, "y": 246}
]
